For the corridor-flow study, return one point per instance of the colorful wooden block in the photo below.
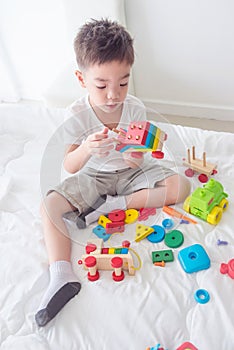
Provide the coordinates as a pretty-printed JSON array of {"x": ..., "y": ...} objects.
[
  {"x": 100, "y": 232},
  {"x": 131, "y": 215},
  {"x": 117, "y": 215},
  {"x": 103, "y": 220},
  {"x": 142, "y": 231},
  {"x": 105, "y": 251},
  {"x": 144, "y": 213},
  {"x": 113, "y": 227},
  {"x": 174, "y": 239},
  {"x": 157, "y": 235},
  {"x": 137, "y": 133}
]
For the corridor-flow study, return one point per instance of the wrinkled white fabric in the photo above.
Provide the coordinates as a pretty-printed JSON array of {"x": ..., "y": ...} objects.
[{"x": 156, "y": 305}]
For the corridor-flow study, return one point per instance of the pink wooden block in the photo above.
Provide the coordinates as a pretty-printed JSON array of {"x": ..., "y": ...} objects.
[{"x": 144, "y": 213}]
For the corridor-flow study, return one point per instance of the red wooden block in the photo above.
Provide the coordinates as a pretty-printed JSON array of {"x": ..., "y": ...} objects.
[
  {"x": 113, "y": 227},
  {"x": 117, "y": 215}
]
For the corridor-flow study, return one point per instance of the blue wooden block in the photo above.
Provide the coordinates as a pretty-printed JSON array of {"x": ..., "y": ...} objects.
[
  {"x": 194, "y": 258},
  {"x": 101, "y": 232}
]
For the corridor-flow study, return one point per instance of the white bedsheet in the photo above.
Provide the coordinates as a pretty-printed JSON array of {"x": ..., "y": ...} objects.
[{"x": 156, "y": 305}]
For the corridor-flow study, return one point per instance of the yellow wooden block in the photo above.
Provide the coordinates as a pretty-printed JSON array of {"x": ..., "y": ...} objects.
[
  {"x": 142, "y": 231},
  {"x": 131, "y": 216},
  {"x": 111, "y": 251},
  {"x": 103, "y": 220},
  {"x": 156, "y": 140}
]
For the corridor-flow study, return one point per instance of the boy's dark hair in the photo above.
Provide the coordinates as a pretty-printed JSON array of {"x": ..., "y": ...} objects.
[{"x": 101, "y": 41}]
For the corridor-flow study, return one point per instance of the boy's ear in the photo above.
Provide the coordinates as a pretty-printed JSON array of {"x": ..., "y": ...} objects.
[{"x": 80, "y": 78}]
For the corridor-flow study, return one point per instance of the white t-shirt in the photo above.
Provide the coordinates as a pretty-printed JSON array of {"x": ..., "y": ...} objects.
[{"x": 81, "y": 121}]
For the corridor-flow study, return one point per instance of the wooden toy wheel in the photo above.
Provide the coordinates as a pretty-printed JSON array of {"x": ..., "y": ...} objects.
[
  {"x": 203, "y": 178},
  {"x": 214, "y": 216},
  {"x": 223, "y": 204},
  {"x": 189, "y": 172},
  {"x": 186, "y": 204}
]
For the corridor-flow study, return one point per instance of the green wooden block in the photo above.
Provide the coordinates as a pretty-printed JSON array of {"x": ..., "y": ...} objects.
[
  {"x": 118, "y": 250},
  {"x": 162, "y": 255}
]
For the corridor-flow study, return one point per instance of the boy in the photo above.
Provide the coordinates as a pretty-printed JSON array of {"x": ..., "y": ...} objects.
[{"x": 104, "y": 179}]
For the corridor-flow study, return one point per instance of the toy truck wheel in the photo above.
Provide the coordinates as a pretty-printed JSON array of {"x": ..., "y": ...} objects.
[
  {"x": 186, "y": 204},
  {"x": 214, "y": 216},
  {"x": 223, "y": 204}
]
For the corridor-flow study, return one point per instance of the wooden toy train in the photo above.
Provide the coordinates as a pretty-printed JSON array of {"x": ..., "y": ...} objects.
[{"x": 99, "y": 258}]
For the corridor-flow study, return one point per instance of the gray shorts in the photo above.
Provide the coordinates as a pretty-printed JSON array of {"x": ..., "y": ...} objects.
[{"x": 85, "y": 187}]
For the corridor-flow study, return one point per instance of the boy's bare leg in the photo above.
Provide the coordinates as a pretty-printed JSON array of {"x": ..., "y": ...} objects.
[
  {"x": 56, "y": 236},
  {"x": 173, "y": 189},
  {"x": 63, "y": 283}
]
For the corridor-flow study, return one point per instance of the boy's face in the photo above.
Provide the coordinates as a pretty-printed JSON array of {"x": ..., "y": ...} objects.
[{"x": 107, "y": 84}]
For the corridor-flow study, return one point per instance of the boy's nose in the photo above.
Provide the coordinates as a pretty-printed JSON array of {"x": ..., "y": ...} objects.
[{"x": 113, "y": 94}]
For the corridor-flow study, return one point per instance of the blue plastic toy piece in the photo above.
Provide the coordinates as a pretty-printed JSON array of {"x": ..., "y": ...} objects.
[
  {"x": 157, "y": 235},
  {"x": 202, "y": 296},
  {"x": 194, "y": 258},
  {"x": 101, "y": 232},
  {"x": 168, "y": 223}
]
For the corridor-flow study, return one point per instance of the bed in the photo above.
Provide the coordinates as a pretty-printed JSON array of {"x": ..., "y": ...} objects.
[{"x": 157, "y": 304}]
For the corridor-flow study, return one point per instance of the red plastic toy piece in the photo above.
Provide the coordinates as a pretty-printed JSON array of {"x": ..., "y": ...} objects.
[
  {"x": 228, "y": 268},
  {"x": 118, "y": 274},
  {"x": 187, "y": 346}
]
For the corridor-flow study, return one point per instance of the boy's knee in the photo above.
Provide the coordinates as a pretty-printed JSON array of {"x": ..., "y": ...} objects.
[
  {"x": 54, "y": 203},
  {"x": 184, "y": 188},
  {"x": 178, "y": 188}
]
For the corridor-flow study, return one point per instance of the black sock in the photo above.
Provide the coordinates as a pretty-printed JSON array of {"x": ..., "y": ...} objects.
[{"x": 57, "y": 302}]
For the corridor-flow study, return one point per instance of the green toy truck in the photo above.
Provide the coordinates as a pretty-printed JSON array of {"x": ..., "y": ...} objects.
[{"x": 208, "y": 202}]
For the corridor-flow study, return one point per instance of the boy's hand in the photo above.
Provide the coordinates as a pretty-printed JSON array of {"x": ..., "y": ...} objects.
[{"x": 99, "y": 144}]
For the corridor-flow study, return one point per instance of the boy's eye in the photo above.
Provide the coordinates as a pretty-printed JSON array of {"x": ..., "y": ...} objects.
[{"x": 100, "y": 87}]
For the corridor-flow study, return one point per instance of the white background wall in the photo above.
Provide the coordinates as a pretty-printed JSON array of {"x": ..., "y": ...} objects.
[
  {"x": 185, "y": 55},
  {"x": 185, "y": 51}
]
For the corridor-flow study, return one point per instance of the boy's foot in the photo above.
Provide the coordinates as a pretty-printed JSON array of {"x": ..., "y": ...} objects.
[
  {"x": 63, "y": 286},
  {"x": 57, "y": 302}
]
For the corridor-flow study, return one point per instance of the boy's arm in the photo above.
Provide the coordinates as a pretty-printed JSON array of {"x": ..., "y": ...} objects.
[{"x": 97, "y": 144}]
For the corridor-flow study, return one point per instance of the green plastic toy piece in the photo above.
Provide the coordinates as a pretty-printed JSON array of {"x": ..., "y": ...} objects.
[
  {"x": 162, "y": 255},
  {"x": 208, "y": 202},
  {"x": 174, "y": 239}
]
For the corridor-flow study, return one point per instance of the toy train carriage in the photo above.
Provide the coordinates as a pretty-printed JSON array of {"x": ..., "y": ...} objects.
[
  {"x": 208, "y": 202},
  {"x": 98, "y": 257},
  {"x": 142, "y": 137}
]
